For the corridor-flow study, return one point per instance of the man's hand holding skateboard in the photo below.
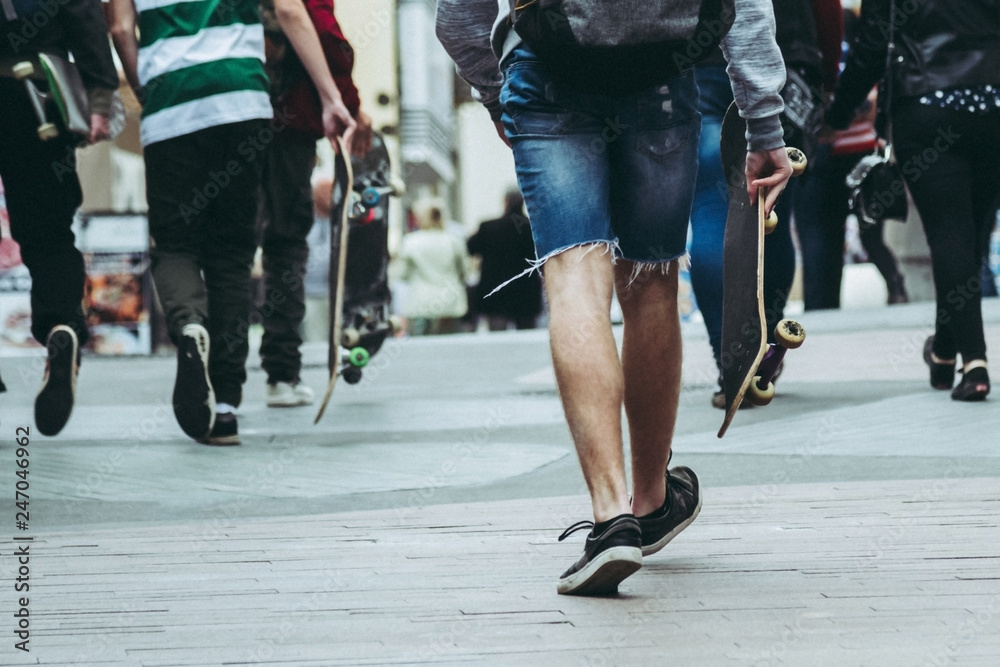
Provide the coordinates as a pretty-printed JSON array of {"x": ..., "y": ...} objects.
[{"x": 769, "y": 170}]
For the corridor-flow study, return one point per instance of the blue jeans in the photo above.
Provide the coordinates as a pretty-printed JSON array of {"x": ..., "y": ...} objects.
[
  {"x": 708, "y": 219},
  {"x": 601, "y": 169}
]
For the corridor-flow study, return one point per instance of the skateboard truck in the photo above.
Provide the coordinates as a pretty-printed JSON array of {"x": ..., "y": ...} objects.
[
  {"x": 23, "y": 71},
  {"x": 789, "y": 335},
  {"x": 372, "y": 195}
]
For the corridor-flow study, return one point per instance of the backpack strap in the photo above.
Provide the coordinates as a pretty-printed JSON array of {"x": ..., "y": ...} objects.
[{"x": 11, "y": 14}]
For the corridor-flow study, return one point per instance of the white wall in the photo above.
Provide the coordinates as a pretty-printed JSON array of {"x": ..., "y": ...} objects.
[{"x": 486, "y": 167}]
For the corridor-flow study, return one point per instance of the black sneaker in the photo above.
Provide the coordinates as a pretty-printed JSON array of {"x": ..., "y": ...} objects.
[
  {"x": 194, "y": 399},
  {"x": 608, "y": 558},
  {"x": 54, "y": 402},
  {"x": 719, "y": 397},
  {"x": 224, "y": 431},
  {"x": 680, "y": 508},
  {"x": 942, "y": 375}
]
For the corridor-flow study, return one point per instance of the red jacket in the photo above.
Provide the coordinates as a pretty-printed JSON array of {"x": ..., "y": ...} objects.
[{"x": 302, "y": 100}]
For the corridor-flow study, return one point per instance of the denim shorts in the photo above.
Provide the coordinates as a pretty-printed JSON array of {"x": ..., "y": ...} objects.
[{"x": 618, "y": 171}]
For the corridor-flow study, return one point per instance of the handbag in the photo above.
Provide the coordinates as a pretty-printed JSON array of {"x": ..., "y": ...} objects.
[
  {"x": 876, "y": 184},
  {"x": 878, "y": 191}
]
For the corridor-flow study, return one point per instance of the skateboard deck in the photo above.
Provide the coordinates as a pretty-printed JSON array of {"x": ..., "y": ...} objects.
[
  {"x": 748, "y": 362},
  {"x": 65, "y": 91},
  {"x": 359, "y": 262},
  {"x": 343, "y": 181},
  {"x": 367, "y": 320}
]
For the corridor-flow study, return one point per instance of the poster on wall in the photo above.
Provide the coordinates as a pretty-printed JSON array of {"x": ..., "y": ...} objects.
[
  {"x": 15, "y": 293},
  {"x": 118, "y": 291}
]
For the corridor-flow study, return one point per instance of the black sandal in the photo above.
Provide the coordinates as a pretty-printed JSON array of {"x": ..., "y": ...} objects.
[
  {"x": 942, "y": 375},
  {"x": 974, "y": 386}
]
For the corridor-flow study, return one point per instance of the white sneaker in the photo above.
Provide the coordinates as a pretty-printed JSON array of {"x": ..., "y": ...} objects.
[{"x": 287, "y": 395}]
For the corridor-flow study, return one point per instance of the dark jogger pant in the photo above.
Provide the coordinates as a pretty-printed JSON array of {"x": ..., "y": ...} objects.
[
  {"x": 951, "y": 162},
  {"x": 43, "y": 193},
  {"x": 202, "y": 194}
]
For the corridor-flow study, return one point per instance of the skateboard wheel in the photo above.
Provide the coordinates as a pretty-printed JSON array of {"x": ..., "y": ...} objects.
[
  {"x": 23, "y": 70},
  {"x": 798, "y": 160},
  {"x": 789, "y": 334},
  {"x": 758, "y": 396},
  {"x": 351, "y": 374},
  {"x": 770, "y": 222},
  {"x": 398, "y": 188},
  {"x": 47, "y": 131},
  {"x": 395, "y": 323},
  {"x": 359, "y": 357},
  {"x": 350, "y": 337},
  {"x": 370, "y": 197}
]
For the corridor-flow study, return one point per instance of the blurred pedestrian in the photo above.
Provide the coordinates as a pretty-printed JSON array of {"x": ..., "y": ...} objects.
[
  {"x": 42, "y": 196},
  {"x": 943, "y": 87},
  {"x": 314, "y": 96},
  {"x": 432, "y": 264},
  {"x": 822, "y": 223},
  {"x": 506, "y": 249},
  {"x": 205, "y": 111}
]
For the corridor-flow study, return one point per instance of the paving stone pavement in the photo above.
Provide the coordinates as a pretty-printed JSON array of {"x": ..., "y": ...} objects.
[{"x": 852, "y": 522}]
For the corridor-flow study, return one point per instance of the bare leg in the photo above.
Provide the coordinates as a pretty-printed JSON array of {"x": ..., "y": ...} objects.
[
  {"x": 588, "y": 372},
  {"x": 651, "y": 359}
]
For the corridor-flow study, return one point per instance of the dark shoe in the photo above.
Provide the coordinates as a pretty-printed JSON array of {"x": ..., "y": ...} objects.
[
  {"x": 719, "y": 397},
  {"x": 224, "y": 431},
  {"x": 942, "y": 375},
  {"x": 897, "y": 290},
  {"x": 54, "y": 402},
  {"x": 719, "y": 400},
  {"x": 608, "y": 558},
  {"x": 680, "y": 508},
  {"x": 974, "y": 386},
  {"x": 194, "y": 399}
]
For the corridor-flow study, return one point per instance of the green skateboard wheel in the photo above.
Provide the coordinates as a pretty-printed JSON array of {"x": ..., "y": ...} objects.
[{"x": 359, "y": 357}]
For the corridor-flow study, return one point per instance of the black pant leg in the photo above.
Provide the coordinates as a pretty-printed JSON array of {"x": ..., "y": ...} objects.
[
  {"x": 43, "y": 193},
  {"x": 288, "y": 217}
]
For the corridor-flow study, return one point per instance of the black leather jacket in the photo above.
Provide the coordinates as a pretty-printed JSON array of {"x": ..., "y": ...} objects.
[{"x": 940, "y": 45}]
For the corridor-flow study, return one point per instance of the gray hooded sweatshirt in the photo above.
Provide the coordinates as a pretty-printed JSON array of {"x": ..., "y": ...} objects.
[{"x": 476, "y": 36}]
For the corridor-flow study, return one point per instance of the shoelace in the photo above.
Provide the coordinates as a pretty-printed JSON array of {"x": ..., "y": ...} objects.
[{"x": 579, "y": 525}]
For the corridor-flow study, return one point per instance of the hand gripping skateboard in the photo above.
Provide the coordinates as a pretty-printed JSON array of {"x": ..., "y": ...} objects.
[
  {"x": 359, "y": 259},
  {"x": 749, "y": 363},
  {"x": 65, "y": 91}
]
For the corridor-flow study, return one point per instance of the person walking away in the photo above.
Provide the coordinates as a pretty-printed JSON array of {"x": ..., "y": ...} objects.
[
  {"x": 199, "y": 68},
  {"x": 432, "y": 264},
  {"x": 505, "y": 248},
  {"x": 944, "y": 75},
  {"x": 42, "y": 196},
  {"x": 822, "y": 229},
  {"x": 609, "y": 208},
  {"x": 309, "y": 63}
]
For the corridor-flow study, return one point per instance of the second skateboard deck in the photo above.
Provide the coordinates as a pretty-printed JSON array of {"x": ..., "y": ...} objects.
[{"x": 744, "y": 338}]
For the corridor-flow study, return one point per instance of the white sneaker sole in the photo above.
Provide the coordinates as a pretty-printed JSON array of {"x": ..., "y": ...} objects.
[
  {"x": 283, "y": 402},
  {"x": 602, "y": 575},
  {"x": 194, "y": 397}
]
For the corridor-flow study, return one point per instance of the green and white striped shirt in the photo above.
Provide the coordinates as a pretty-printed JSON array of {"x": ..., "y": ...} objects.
[{"x": 201, "y": 64}]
